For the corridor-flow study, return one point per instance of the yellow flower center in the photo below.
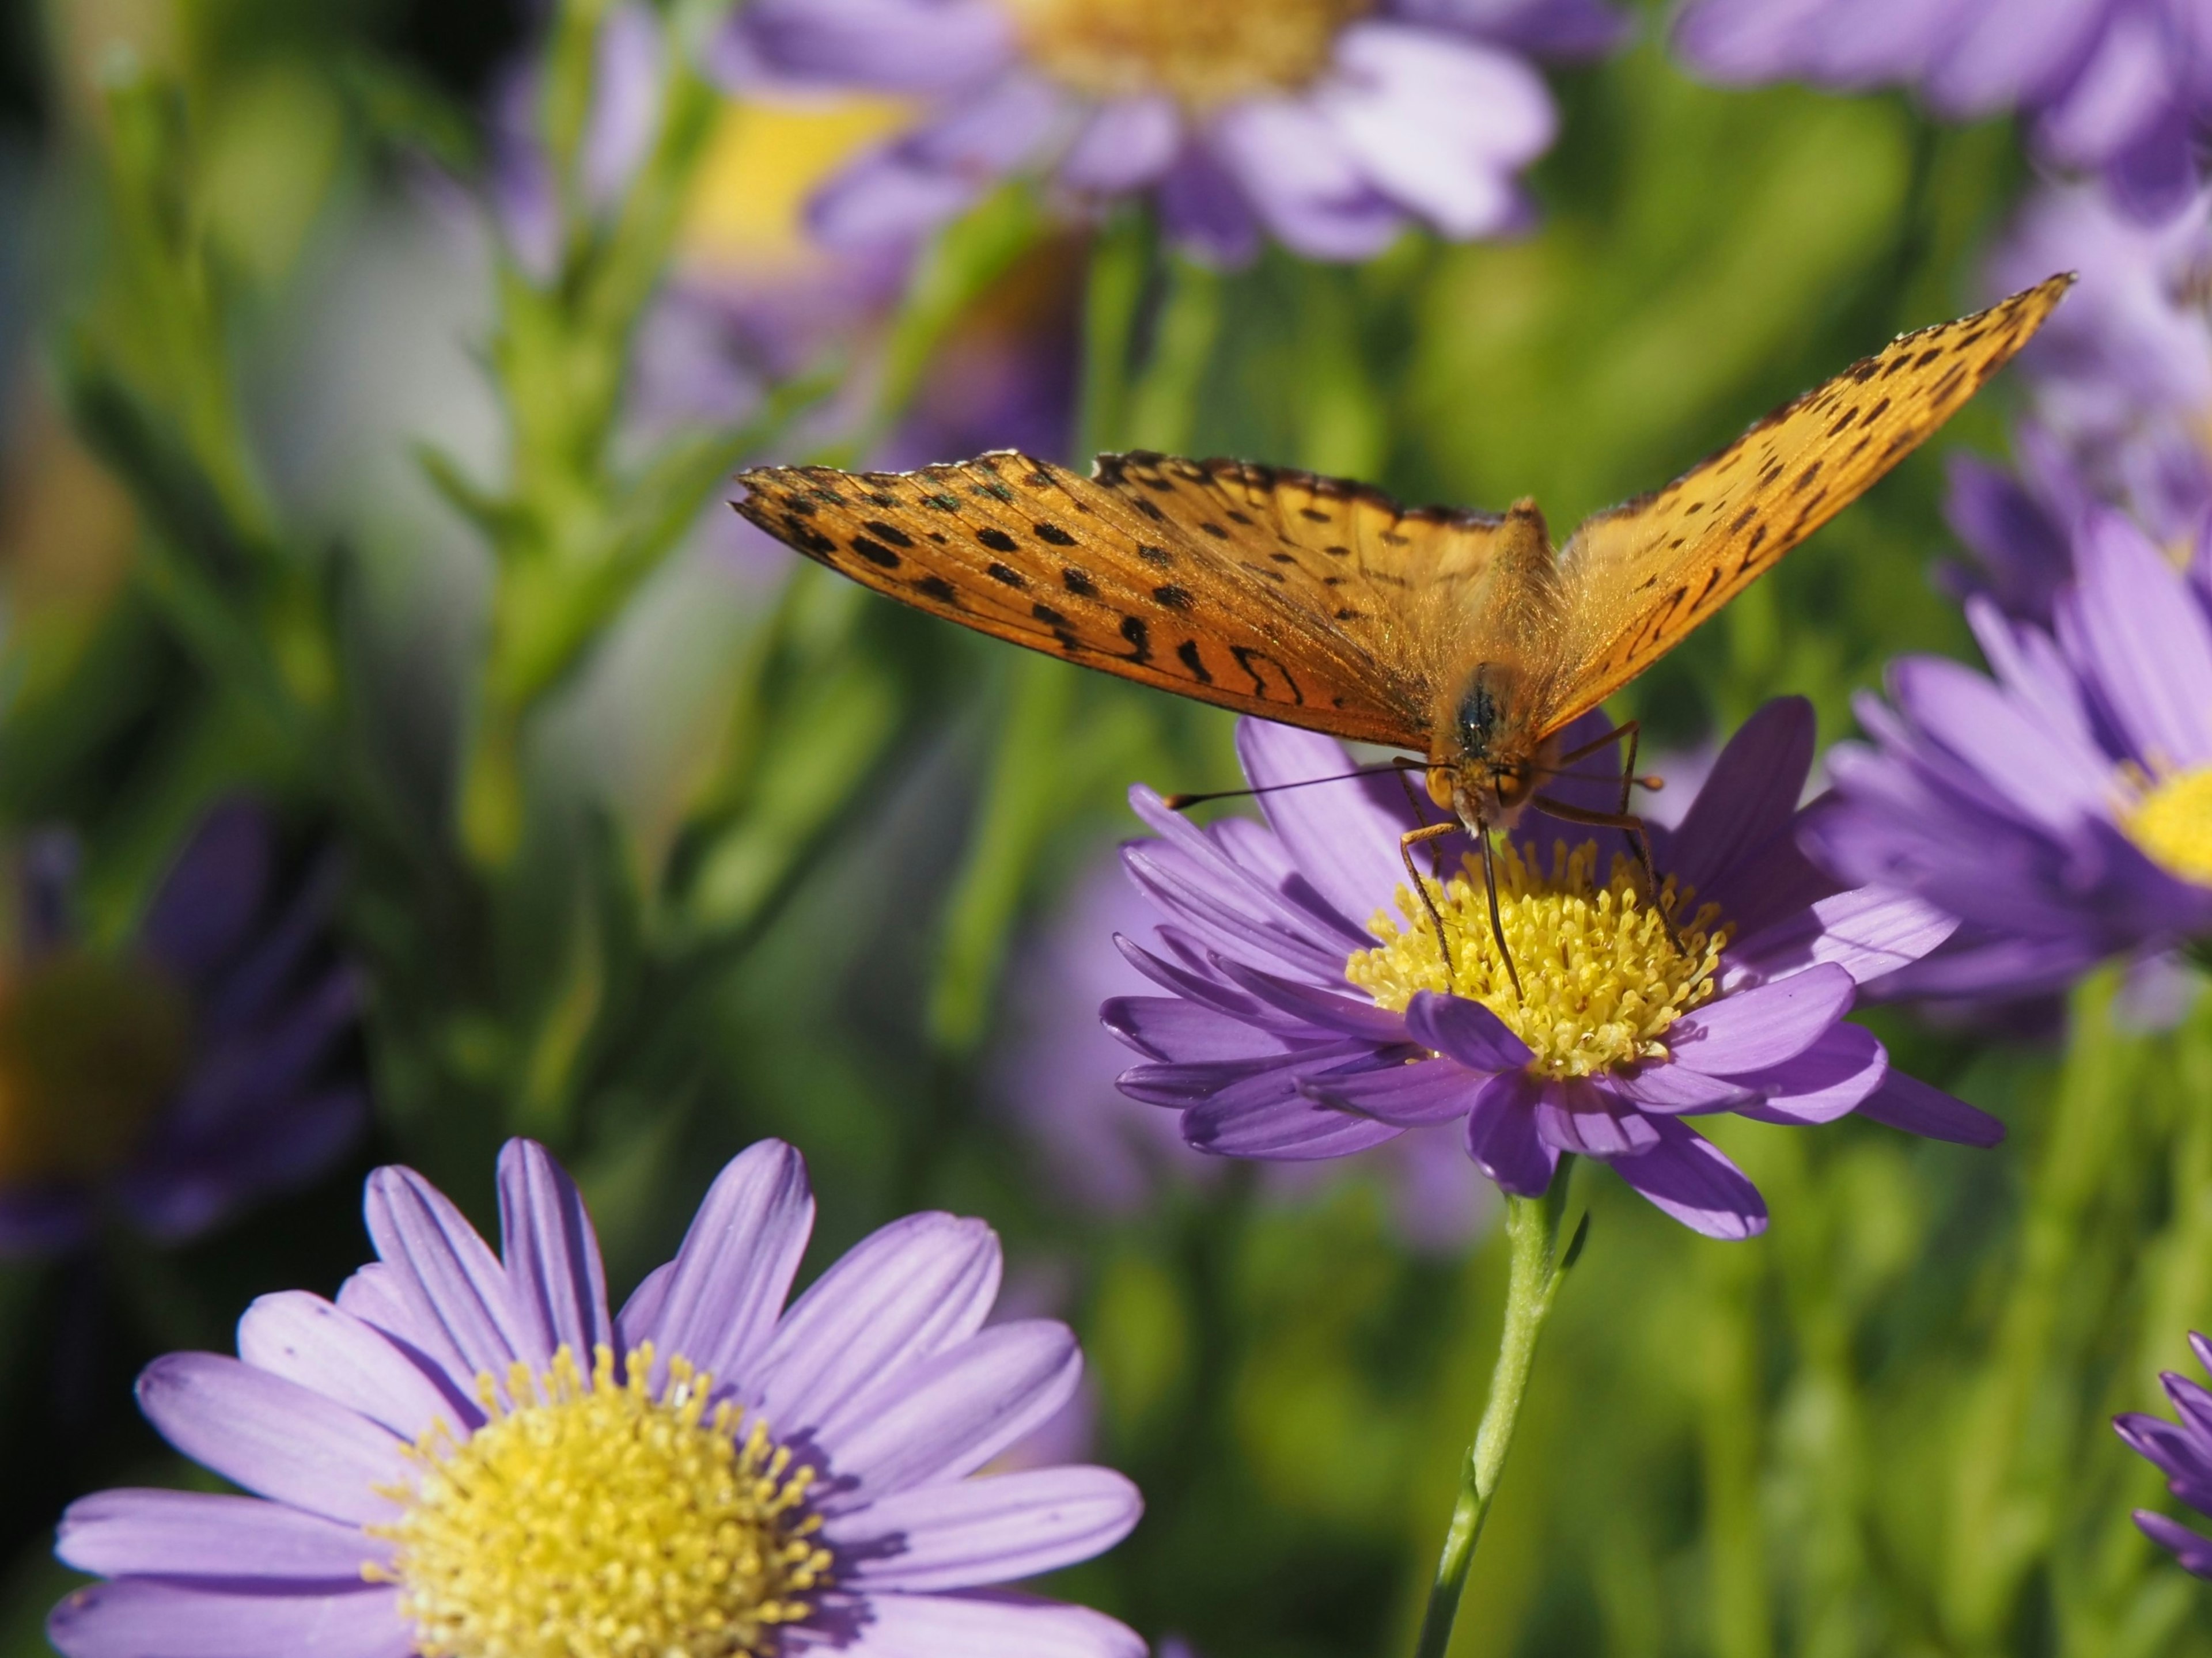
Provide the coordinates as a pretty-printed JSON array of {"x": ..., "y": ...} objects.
[
  {"x": 591, "y": 1520},
  {"x": 1599, "y": 980},
  {"x": 2172, "y": 824},
  {"x": 1203, "y": 53},
  {"x": 90, "y": 1046}
]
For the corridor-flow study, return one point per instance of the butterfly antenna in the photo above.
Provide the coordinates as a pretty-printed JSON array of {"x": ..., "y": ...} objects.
[{"x": 1184, "y": 802}]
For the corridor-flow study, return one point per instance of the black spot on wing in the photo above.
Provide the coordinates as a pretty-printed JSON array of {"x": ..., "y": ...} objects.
[
  {"x": 1173, "y": 597},
  {"x": 890, "y": 534},
  {"x": 1009, "y": 577},
  {"x": 1187, "y": 654},
  {"x": 876, "y": 553},
  {"x": 1140, "y": 638},
  {"x": 1055, "y": 535},
  {"x": 996, "y": 540}
]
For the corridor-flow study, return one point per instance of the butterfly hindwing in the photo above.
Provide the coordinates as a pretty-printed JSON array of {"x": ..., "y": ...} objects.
[
  {"x": 1031, "y": 553},
  {"x": 1638, "y": 577}
]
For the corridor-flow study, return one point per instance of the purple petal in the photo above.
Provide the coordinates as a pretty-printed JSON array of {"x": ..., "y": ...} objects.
[
  {"x": 986, "y": 1626},
  {"x": 208, "y": 899},
  {"x": 136, "y": 1618},
  {"x": 885, "y": 198},
  {"x": 1404, "y": 1096},
  {"x": 1749, "y": 797},
  {"x": 44, "y": 1220},
  {"x": 1501, "y": 1137},
  {"x": 1574, "y": 1114},
  {"x": 974, "y": 1533},
  {"x": 304, "y": 1338},
  {"x": 1756, "y": 1030},
  {"x": 551, "y": 1256},
  {"x": 1205, "y": 212},
  {"x": 1171, "y": 1029},
  {"x": 1549, "y": 28},
  {"x": 952, "y": 1413},
  {"x": 1342, "y": 842},
  {"x": 1691, "y": 1179},
  {"x": 719, "y": 1305},
  {"x": 2192, "y": 1550},
  {"x": 905, "y": 1292},
  {"x": 1907, "y": 1103},
  {"x": 2144, "y": 642},
  {"x": 1337, "y": 1016},
  {"x": 162, "y": 1533},
  {"x": 891, "y": 45},
  {"x": 1466, "y": 1031},
  {"x": 460, "y": 1308},
  {"x": 1127, "y": 144},
  {"x": 1270, "y": 1115},
  {"x": 1440, "y": 125},
  {"x": 1868, "y": 931},
  {"x": 1827, "y": 1080},
  {"x": 272, "y": 1437},
  {"x": 1303, "y": 180},
  {"x": 1678, "y": 1090}
]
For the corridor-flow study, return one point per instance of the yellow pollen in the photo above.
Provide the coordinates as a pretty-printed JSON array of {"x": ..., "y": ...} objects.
[
  {"x": 2172, "y": 824},
  {"x": 592, "y": 1519},
  {"x": 1203, "y": 53},
  {"x": 1601, "y": 982}
]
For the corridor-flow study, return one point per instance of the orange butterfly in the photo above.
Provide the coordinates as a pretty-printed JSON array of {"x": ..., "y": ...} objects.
[{"x": 1324, "y": 604}]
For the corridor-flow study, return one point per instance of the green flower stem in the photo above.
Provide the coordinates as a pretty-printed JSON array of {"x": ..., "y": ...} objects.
[{"x": 1535, "y": 1270}]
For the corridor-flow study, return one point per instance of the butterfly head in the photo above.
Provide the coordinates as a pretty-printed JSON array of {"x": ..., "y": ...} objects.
[{"x": 1488, "y": 754}]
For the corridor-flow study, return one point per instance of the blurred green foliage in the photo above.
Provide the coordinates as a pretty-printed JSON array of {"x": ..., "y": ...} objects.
[{"x": 1882, "y": 1429}]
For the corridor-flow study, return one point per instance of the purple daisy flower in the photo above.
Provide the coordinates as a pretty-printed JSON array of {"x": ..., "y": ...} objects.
[
  {"x": 2182, "y": 1451},
  {"x": 466, "y": 1453},
  {"x": 2060, "y": 805},
  {"x": 2121, "y": 87},
  {"x": 1310, "y": 1015},
  {"x": 1328, "y": 124},
  {"x": 209, "y": 1065}
]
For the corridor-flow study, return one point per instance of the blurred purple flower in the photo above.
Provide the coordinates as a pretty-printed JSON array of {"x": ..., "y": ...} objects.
[
  {"x": 209, "y": 1066},
  {"x": 2120, "y": 88},
  {"x": 1328, "y": 124},
  {"x": 1112, "y": 1155},
  {"x": 453, "y": 1448},
  {"x": 2182, "y": 1451},
  {"x": 1296, "y": 1028},
  {"x": 2060, "y": 808}
]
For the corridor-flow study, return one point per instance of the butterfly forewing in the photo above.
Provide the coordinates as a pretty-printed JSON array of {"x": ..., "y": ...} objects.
[
  {"x": 1635, "y": 580},
  {"x": 1095, "y": 571}
]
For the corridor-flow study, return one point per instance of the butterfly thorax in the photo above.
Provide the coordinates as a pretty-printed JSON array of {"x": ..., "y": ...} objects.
[{"x": 1491, "y": 737}]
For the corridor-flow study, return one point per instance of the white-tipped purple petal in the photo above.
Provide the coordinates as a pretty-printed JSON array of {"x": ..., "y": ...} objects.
[
  {"x": 1466, "y": 1031},
  {"x": 1501, "y": 1137},
  {"x": 456, "y": 1291},
  {"x": 557, "y": 1287},
  {"x": 1907, "y": 1103},
  {"x": 1691, "y": 1179},
  {"x": 163, "y": 1534},
  {"x": 1756, "y": 1030},
  {"x": 1126, "y": 144},
  {"x": 995, "y": 1529},
  {"x": 272, "y": 1437},
  {"x": 902, "y": 1294},
  {"x": 719, "y": 1304},
  {"x": 137, "y": 1618},
  {"x": 953, "y": 1413},
  {"x": 985, "y": 1625},
  {"x": 304, "y": 1338}
]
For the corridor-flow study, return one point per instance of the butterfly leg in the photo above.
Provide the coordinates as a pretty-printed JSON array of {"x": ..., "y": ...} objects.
[
  {"x": 1407, "y": 843},
  {"x": 1631, "y": 825}
]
